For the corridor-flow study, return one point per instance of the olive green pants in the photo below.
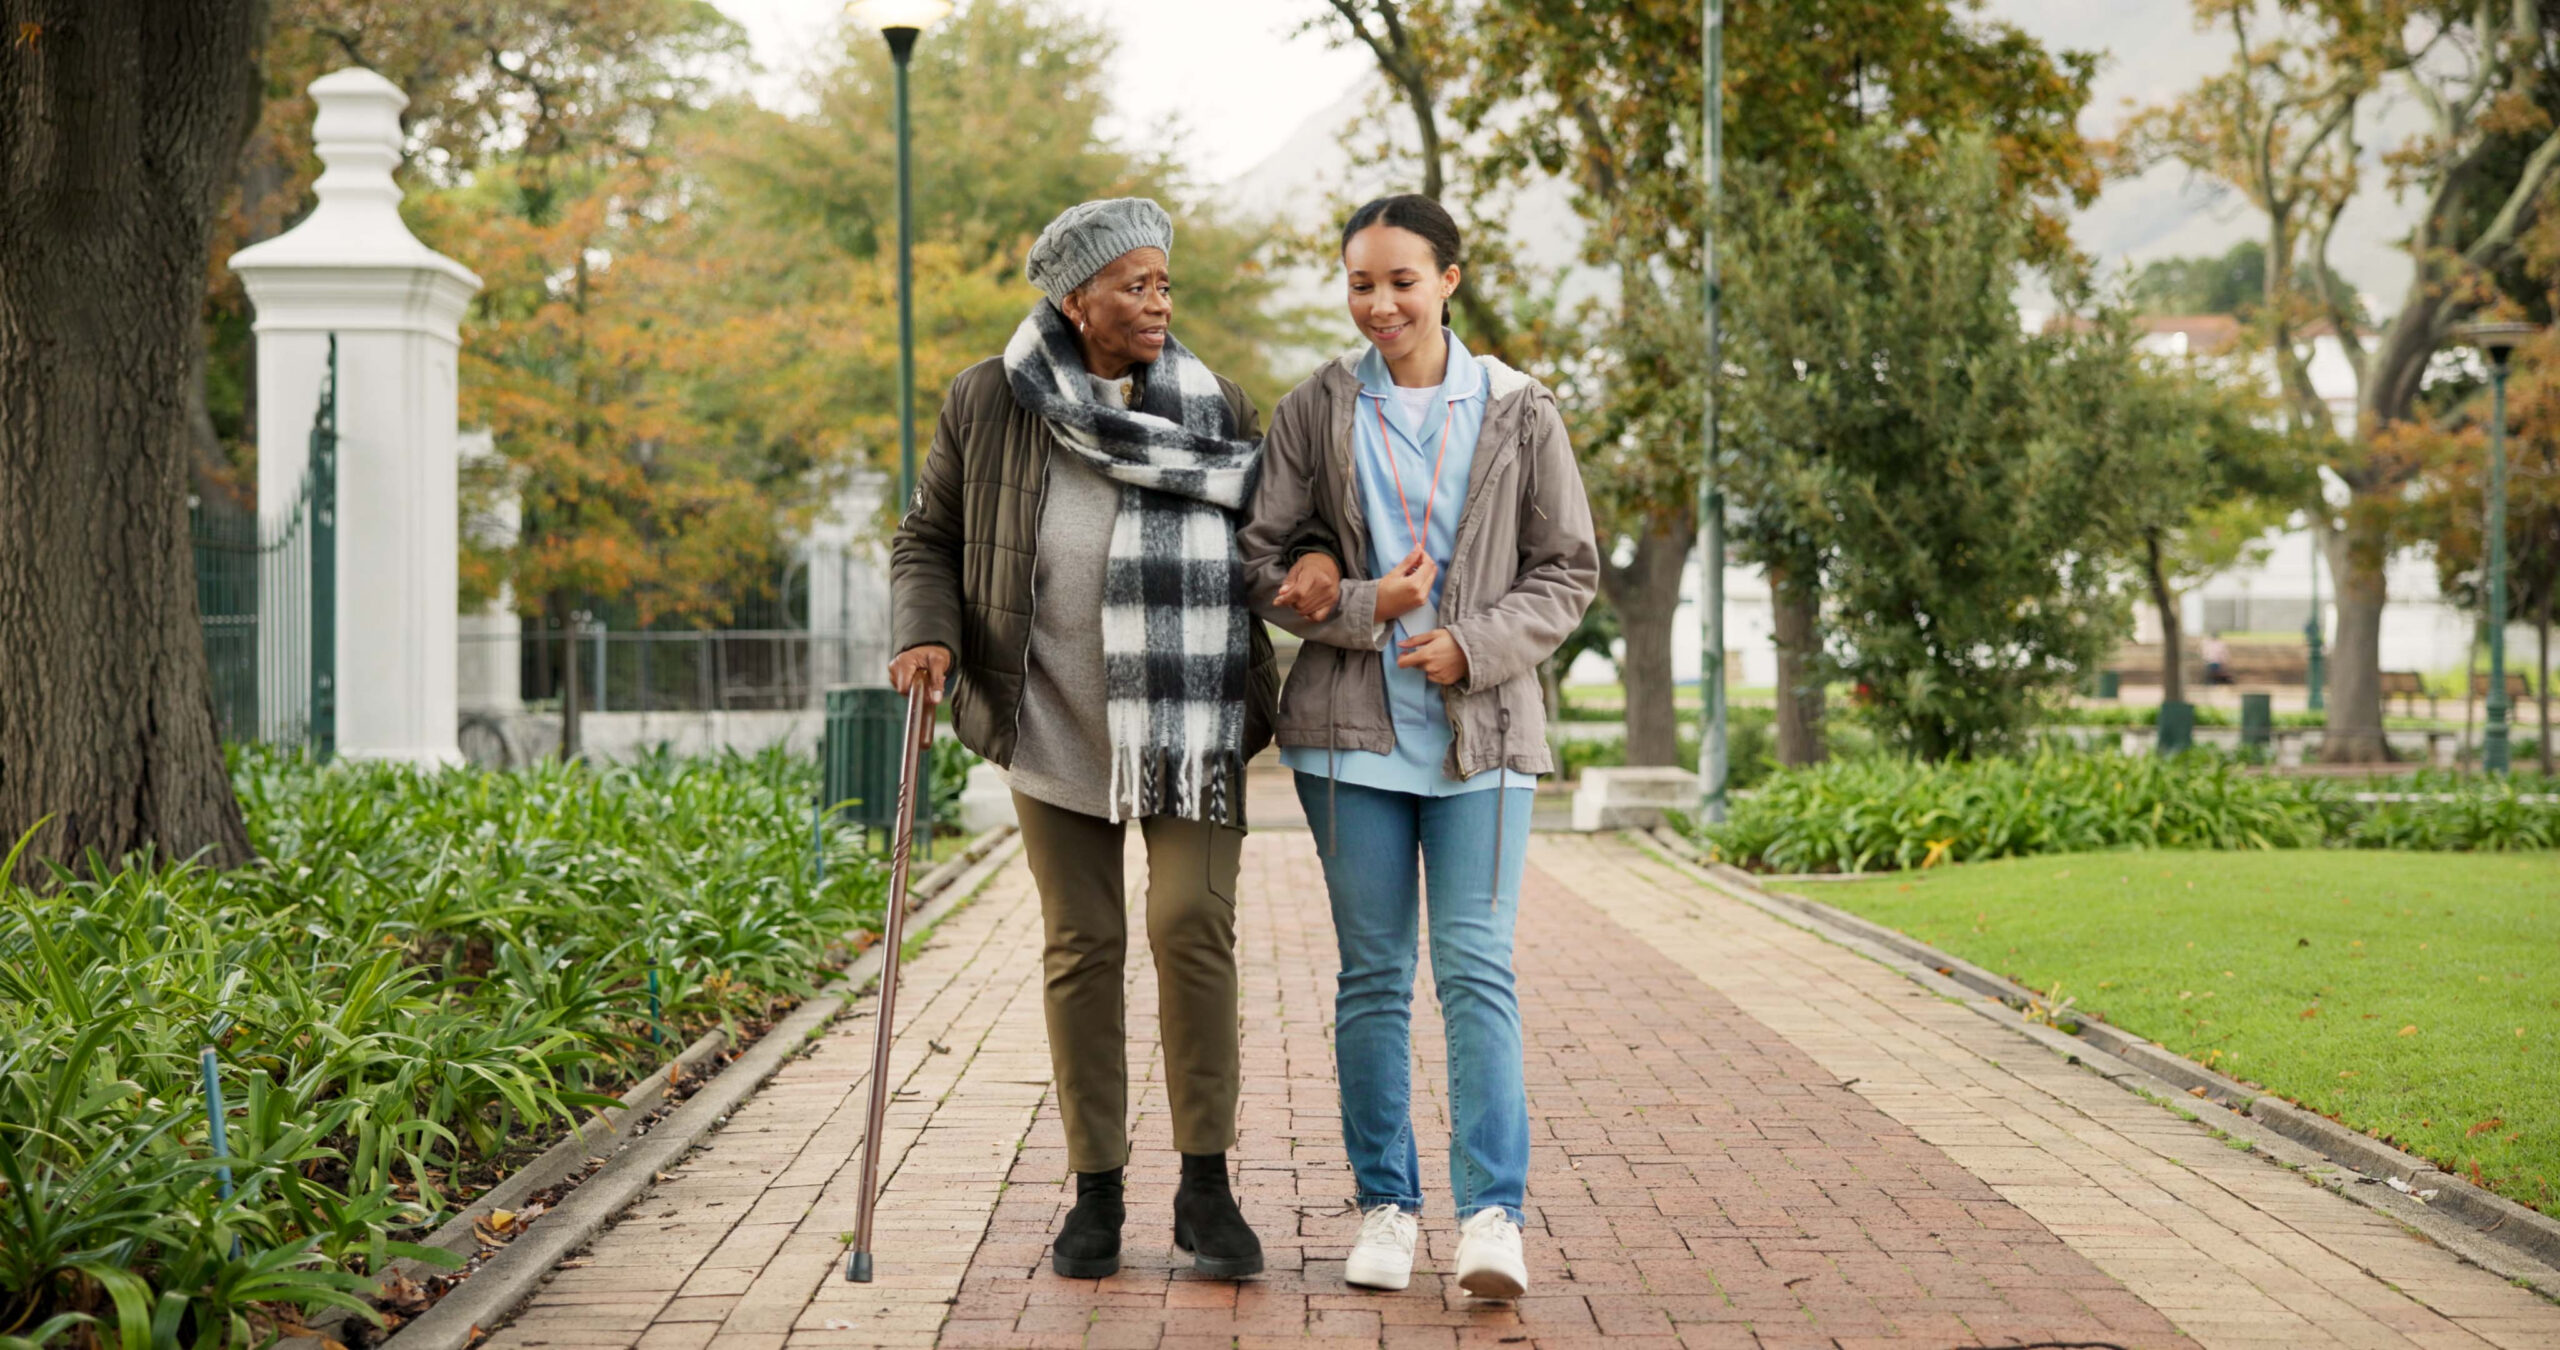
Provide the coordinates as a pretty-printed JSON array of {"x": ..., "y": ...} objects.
[{"x": 1191, "y": 925}]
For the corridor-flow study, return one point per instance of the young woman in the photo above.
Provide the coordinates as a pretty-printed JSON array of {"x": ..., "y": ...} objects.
[{"x": 1413, "y": 716}]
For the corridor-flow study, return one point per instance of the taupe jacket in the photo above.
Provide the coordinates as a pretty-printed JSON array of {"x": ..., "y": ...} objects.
[{"x": 1523, "y": 569}]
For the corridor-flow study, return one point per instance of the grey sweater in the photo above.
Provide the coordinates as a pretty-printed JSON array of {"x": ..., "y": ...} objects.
[{"x": 1064, "y": 756}]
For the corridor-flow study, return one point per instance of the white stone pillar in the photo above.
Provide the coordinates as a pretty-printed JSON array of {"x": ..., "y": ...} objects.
[{"x": 353, "y": 269}]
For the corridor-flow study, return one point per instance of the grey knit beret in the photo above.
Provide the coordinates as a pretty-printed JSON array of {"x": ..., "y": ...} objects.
[{"x": 1090, "y": 236}]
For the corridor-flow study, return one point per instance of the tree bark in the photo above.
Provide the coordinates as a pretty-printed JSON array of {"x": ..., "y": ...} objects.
[
  {"x": 2173, "y": 643},
  {"x": 1646, "y": 593},
  {"x": 2470, "y": 694},
  {"x": 1795, "y": 603},
  {"x": 571, "y": 741},
  {"x": 2356, "y": 556},
  {"x": 120, "y": 124},
  {"x": 2542, "y": 676}
]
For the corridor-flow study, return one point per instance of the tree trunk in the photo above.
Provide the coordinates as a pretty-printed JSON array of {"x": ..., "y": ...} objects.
[
  {"x": 120, "y": 123},
  {"x": 2470, "y": 694},
  {"x": 1795, "y": 604},
  {"x": 2356, "y": 555},
  {"x": 2542, "y": 676},
  {"x": 567, "y": 618},
  {"x": 1646, "y": 593},
  {"x": 2173, "y": 643}
]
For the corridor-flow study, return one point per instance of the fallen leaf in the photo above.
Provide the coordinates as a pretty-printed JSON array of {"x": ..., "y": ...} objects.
[
  {"x": 2483, "y": 1127},
  {"x": 2311, "y": 1012},
  {"x": 2346, "y": 1073},
  {"x": 2195, "y": 1092},
  {"x": 2409, "y": 1030},
  {"x": 2356, "y": 943}
]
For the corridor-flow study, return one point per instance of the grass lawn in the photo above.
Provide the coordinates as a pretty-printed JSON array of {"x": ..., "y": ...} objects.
[{"x": 2413, "y": 996}]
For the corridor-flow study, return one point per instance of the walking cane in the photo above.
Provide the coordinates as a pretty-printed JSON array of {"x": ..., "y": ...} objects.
[{"x": 920, "y": 711}]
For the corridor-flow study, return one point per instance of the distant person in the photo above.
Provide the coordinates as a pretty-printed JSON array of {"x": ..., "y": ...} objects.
[
  {"x": 2217, "y": 659},
  {"x": 1071, "y": 551},
  {"x": 1413, "y": 715}
]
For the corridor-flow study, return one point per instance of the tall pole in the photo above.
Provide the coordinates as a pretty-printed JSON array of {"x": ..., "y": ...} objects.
[
  {"x": 2493, "y": 747},
  {"x": 1711, "y": 672},
  {"x": 902, "y": 44}
]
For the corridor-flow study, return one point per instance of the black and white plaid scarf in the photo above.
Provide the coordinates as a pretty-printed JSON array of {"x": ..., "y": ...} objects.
[{"x": 1176, "y": 635}]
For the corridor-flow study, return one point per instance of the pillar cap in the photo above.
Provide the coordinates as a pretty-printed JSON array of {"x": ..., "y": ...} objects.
[{"x": 357, "y": 223}]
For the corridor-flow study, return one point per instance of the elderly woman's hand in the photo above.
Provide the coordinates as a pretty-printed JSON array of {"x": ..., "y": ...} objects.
[
  {"x": 931, "y": 662},
  {"x": 1312, "y": 587}
]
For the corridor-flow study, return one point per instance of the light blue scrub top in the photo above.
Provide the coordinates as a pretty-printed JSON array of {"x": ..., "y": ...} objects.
[{"x": 1421, "y": 722}]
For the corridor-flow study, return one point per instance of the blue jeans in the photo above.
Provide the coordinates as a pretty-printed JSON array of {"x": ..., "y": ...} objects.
[{"x": 1377, "y": 901}]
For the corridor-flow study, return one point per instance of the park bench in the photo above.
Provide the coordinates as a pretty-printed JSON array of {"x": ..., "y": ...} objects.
[
  {"x": 2517, "y": 686},
  {"x": 2407, "y": 686}
]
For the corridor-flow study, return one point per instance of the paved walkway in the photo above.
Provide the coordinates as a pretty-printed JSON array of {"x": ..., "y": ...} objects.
[{"x": 1743, "y": 1136}]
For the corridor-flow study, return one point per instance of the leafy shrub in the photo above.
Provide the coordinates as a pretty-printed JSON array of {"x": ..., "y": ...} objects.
[
  {"x": 427, "y": 978},
  {"x": 950, "y": 765},
  {"x": 1885, "y": 813}
]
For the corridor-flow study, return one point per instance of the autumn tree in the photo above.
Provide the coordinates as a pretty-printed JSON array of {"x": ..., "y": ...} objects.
[
  {"x": 798, "y": 227},
  {"x": 120, "y": 122},
  {"x": 2286, "y": 125},
  {"x": 1608, "y": 97},
  {"x": 520, "y": 80}
]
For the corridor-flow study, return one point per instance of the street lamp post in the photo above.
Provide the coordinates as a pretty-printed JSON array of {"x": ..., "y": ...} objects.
[
  {"x": 1711, "y": 673},
  {"x": 2499, "y": 340},
  {"x": 901, "y": 22}
]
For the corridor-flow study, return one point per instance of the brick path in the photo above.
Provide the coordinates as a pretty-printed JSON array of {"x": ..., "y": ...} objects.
[{"x": 1701, "y": 1176}]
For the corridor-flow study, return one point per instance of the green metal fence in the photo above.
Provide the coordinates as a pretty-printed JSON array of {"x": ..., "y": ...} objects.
[{"x": 267, "y": 594}]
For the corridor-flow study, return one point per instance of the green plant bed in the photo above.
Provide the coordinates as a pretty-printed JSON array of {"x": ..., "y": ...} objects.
[
  {"x": 1880, "y": 814},
  {"x": 2410, "y": 997},
  {"x": 428, "y": 979}
]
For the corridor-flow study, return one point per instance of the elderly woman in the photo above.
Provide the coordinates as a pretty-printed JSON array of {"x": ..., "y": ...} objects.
[{"x": 1071, "y": 548}]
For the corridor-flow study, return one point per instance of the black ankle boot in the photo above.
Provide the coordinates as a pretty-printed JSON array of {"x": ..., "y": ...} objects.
[
  {"x": 1088, "y": 1245},
  {"x": 1207, "y": 1224}
]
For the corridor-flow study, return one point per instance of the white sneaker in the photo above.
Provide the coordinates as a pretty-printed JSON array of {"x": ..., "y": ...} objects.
[
  {"x": 1383, "y": 1257},
  {"x": 1489, "y": 1261}
]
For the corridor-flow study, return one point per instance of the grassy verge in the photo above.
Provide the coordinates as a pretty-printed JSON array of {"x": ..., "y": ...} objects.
[
  {"x": 426, "y": 979},
  {"x": 2414, "y": 997}
]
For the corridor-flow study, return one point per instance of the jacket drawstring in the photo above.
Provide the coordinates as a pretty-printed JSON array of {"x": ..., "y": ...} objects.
[{"x": 1501, "y": 794}]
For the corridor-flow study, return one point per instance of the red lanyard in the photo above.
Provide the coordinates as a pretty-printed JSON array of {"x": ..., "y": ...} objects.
[{"x": 1430, "y": 503}]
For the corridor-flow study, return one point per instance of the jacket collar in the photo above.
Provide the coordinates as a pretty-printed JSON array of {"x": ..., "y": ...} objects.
[
  {"x": 1346, "y": 379},
  {"x": 1464, "y": 379}
]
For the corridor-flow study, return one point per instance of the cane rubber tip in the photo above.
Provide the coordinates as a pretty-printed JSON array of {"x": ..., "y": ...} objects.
[{"x": 857, "y": 1268}]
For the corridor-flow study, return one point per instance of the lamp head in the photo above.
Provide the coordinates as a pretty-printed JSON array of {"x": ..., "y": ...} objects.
[
  {"x": 896, "y": 18},
  {"x": 2499, "y": 340}
]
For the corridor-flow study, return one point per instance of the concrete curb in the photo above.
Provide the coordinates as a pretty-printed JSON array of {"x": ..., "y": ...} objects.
[
  {"x": 511, "y": 1276},
  {"x": 2485, "y": 1229}
]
